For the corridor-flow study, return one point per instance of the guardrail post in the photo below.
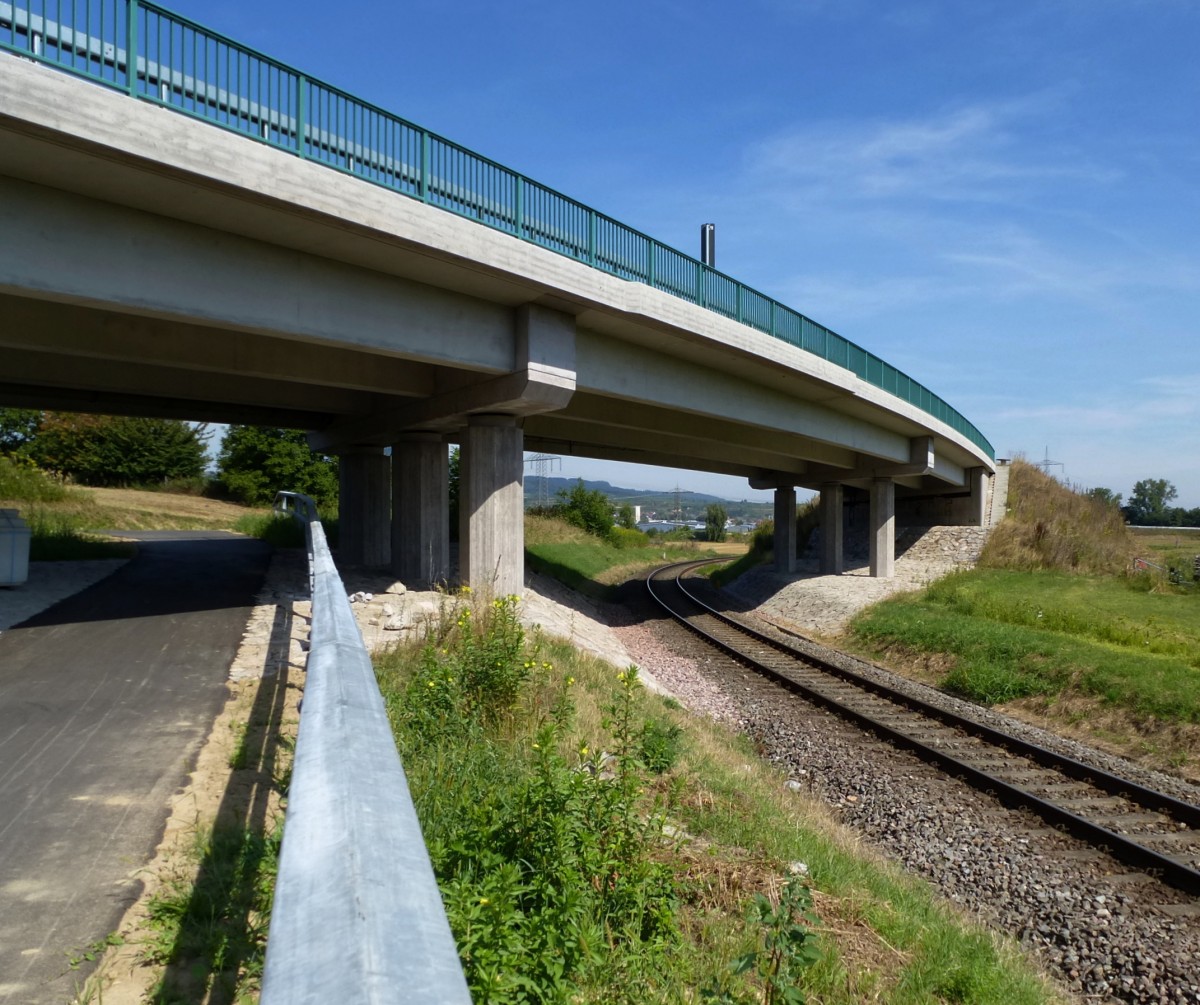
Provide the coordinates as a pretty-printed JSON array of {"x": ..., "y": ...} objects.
[{"x": 131, "y": 48}]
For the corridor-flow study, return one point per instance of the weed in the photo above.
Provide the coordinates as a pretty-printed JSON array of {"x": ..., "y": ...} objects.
[
  {"x": 786, "y": 947},
  {"x": 93, "y": 951}
]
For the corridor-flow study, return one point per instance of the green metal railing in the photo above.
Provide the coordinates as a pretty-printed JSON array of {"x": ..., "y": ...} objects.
[{"x": 158, "y": 56}]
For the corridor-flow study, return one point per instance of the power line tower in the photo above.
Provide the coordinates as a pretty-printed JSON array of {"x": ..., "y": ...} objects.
[
  {"x": 1046, "y": 464},
  {"x": 542, "y": 465}
]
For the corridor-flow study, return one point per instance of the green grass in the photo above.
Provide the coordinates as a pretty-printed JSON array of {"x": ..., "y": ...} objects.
[
  {"x": 594, "y": 566},
  {"x": 210, "y": 926},
  {"x": 561, "y": 885},
  {"x": 1015, "y": 634}
]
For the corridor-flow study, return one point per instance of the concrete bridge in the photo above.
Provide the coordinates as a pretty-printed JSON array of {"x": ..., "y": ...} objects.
[{"x": 282, "y": 254}]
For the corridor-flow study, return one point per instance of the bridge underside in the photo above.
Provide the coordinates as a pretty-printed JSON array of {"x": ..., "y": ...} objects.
[{"x": 153, "y": 265}]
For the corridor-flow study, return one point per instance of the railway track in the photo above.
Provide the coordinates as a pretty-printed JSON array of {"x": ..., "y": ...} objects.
[{"x": 1149, "y": 831}]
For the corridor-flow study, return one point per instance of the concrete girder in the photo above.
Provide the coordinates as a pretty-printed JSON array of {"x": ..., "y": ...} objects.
[
  {"x": 79, "y": 331},
  {"x": 647, "y": 455},
  {"x": 116, "y": 378},
  {"x": 619, "y": 370},
  {"x": 923, "y": 463},
  {"x": 128, "y": 261},
  {"x": 649, "y": 419},
  {"x": 667, "y": 444},
  {"x": 103, "y": 403}
]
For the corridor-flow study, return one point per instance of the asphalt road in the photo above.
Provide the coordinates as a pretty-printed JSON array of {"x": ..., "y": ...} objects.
[{"x": 105, "y": 699}]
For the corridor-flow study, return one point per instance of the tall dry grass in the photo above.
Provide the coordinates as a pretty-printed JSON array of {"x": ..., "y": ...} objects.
[{"x": 1051, "y": 527}]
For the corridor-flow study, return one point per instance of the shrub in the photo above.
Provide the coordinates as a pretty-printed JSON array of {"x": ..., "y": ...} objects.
[
  {"x": 588, "y": 509},
  {"x": 543, "y": 847}
]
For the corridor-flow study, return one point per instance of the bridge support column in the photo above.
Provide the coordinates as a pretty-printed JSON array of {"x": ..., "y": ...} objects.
[
  {"x": 981, "y": 481},
  {"x": 785, "y": 528},
  {"x": 420, "y": 509},
  {"x": 492, "y": 505},
  {"x": 832, "y": 518},
  {"x": 883, "y": 528},
  {"x": 364, "y": 507}
]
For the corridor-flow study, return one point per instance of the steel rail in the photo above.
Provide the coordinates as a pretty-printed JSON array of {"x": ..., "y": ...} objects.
[
  {"x": 357, "y": 917},
  {"x": 1119, "y": 846}
]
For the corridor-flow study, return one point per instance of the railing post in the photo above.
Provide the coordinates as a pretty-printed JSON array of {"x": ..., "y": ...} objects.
[
  {"x": 650, "y": 278},
  {"x": 591, "y": 237},
  {"x": 131, "y": 48},
  {"x": 739, "y": 303},
  {"x": 700, "y": 283},
  {"x": 773, "y": 335},
  {"x": 519, "y": 211},
  {"x": 424, "y": 165},
  {"x": 301, "y": 115}
]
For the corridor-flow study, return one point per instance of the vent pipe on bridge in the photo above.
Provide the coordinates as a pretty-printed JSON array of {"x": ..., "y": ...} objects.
[{"x": 708, "y": 244}]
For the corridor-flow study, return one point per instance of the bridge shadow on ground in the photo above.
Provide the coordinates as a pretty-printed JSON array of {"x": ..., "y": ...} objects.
[
  {"x": 173, "y": 573},
  {"x": 220, "y": 920}
]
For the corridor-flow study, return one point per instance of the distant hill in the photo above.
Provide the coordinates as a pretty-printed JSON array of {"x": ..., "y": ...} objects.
[{"x": 657, "y": 501}]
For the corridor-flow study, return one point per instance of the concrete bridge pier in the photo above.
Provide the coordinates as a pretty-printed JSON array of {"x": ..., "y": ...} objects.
[
  {"x": 883, "y": 528},
  {"x": 364, "y": 506},
  {"x": 492, "y": 505},
  {"x": 832, "y": 529},
  {"x": 420, "y": 509},
  {"x": 785, "y": 528}
]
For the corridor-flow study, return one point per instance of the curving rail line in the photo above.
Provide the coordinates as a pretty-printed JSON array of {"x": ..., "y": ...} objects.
[{"x": 1145, "y": 829}]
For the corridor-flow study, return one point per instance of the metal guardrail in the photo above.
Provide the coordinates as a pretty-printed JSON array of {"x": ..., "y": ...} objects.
[
  {"x": 357, "y": 917},
  {"x": 184, "y": 66}
]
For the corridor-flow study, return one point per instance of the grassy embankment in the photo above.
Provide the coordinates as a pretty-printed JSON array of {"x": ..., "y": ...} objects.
[
  {"x": 64, "y": 521},
  {"x": 596, "y": 567},
  {"x": 594, "y": 843},
  {"x": 1056, "y": 625}
]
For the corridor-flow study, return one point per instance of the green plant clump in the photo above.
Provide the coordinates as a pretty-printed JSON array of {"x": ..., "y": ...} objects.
[{"x": 543, "y": 848}]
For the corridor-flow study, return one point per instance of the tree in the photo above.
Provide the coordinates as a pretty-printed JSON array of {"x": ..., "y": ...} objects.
[
  {"x": 257, "y": 461},
  {"x": 117, "y": 450},
  {"x": 588, "y": 509},
  {"x": 626, "y": 516},
  {"x": 1148, "y": 502},
  {"x": 714, "y": 522},
  {"x": 1106, "y": 496},
  {"x": 17, "y": 429}
]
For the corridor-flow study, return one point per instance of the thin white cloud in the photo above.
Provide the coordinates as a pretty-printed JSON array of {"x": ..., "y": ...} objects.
[{"x": 977, "y": 152}]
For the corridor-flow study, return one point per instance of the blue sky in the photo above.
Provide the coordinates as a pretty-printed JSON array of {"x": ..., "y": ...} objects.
[{"x": 1000, "y": 198}]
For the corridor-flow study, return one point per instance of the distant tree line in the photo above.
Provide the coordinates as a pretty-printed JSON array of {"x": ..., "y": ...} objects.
[
  {"x": 1149, "y": 505},
  {"x": 254, "y": 462}
]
